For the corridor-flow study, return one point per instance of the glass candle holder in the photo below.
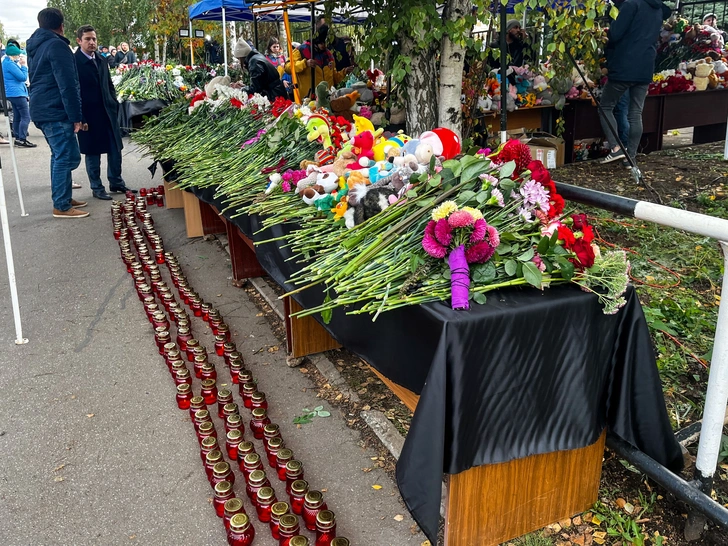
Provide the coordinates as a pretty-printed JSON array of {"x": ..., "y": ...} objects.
[
  {"x": 241, "y": 533},
  {"x": 200, "y": 361},
  {"x": 299, "y": 488},
  {"x": 220, "y": 345},
  {"x": 228, "y": 348},
  {"x": 251, "y": 463},
  {"x": 196, "y": 403},
  {"x": 183, "y": 376},
  {"x": 235, "y": 368},
  {"x": 313, "y": 504},
  {"x": 299, "y": 540},
  {"x": 265, "y": 498},
  {"x": 276, "y": 511},
  {"x": 206, "y": 429},
  {"x": 246, "y": 392},
  {"x": 258, "y": 422},
  {"x": 223, "y": 493},
  {"x": 207, "y": 445},
  {"x": 208, "y": 371},
  {"x": 223, "y": 397},
  {"x": 209, "y": 391},
  {"x": 234, "y": 422},
  {"x": 294, "y": 471},
  {"x": 190, "y": 349},
  {"x": 340, "y": 541},
  {"x": 201, "y": 416},
  {"x": 211, "y": 459},
  {"x": 230, "y": 409},
  {"x": 288, "y": 527},
  {"x": 246, "y": 376},
  {"x": 325, "y": 528},
  {"x": 284, "y": 456},
  {"x": 244, "y": 448},
  {"x": 258, "y": 400},
  {"x": 205, "y": 308},
  {"x": 257, "y": 480},
  {"x": 183, "y": 336},
  {"x": 184, "y": 395},
  {"x": 230, "y": 508},
  {"x": 272, "y": 447},
  {"x": 222, "y": 472},
  {"x": 232, "y": 440}
]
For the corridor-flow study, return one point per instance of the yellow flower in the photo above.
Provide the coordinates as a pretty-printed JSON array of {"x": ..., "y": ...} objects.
[
  {"x": 475, "y": 213},
  {"x": 444, "y": 210},
  {"x": 169, "y": 67}
]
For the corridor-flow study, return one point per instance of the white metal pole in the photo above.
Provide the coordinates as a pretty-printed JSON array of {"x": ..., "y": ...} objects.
[
  {"x": 224, "y": 40},
  {"x": 19, "y": 339},
  {"x": 15, "y": 167},
  {"x": 716, "y": 396},
  {"x": 192, "y": 49}
]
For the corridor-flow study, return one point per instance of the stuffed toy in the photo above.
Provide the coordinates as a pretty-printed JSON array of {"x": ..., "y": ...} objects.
[
  {"x": 703, "y": 69},
  {"x": 423, "y": 153},
  {"x": 451, "y": 146},
  {"x": 274, "y": 181},
  {"x": 485, "y": 104},
  {"x": 365, "y": 94},
  {"x": 342, "y": 106},
  {"x": 363, "y": 143},
  {"x": 560, "y": 86},
  {"x": 318, "y": 129},
  {"x": 211, "y": 87},
  {"x": 356, "y": 177},
  {"x": 322, "y": 96}
]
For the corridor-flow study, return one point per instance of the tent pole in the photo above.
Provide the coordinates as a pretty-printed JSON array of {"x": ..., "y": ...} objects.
[
  {"x": 192, "y": 50},
  {"x": 286, "y": 24},
  {"x": 313, "y": 50},
  {"x": 504, "y": 75},
  {"x": 255, "y": 30},
  {"x": 224, "y": 40}
]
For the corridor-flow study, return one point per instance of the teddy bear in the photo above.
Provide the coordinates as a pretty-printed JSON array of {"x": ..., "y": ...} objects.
[
  {"x": 362, "y": 147},
  {"x": 356, "y": 177},
  {"x": 342, "y": 106},
  {"x": 703, "y": 69}
]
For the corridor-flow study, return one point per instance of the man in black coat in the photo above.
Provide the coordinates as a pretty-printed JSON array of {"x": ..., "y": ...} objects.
[
  {"x": 99, "y": 105},
  {"x": 630, "y": 53},
  {"x": 264, "y": 78}
]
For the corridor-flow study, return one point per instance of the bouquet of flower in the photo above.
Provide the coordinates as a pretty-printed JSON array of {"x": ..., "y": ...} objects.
[{"x": 464, "y": 237}]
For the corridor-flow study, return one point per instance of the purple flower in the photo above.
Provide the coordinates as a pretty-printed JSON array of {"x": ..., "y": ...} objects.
[
  {"x": 443, "y": 232},
  {"x": 432, "y": 247},
  {"x": 534, "y": 194},
  {"x": 496, "y": 198},
  {"x": 479, "y": 253},
  {"x": 539, "y": 262}
]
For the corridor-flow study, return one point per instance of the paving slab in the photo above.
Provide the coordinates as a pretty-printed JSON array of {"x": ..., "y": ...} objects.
[{"x": 94, "y": 449}]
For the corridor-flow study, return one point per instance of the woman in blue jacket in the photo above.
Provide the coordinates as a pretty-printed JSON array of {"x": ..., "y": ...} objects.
[{"x": 15, "y": 73}]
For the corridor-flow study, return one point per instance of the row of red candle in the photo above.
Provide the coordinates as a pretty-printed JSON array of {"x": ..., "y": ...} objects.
[{"x": 262, "y": 496}]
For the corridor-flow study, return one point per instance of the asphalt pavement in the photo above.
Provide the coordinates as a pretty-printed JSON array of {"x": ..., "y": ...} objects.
[{"x": 93, "y": 449}]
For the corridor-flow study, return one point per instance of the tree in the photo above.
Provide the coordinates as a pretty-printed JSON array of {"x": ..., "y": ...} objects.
[{"x": 2, "y": 33}]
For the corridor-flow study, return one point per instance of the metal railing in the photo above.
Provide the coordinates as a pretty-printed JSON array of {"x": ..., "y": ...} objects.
[{"x": 696, "y": 493}]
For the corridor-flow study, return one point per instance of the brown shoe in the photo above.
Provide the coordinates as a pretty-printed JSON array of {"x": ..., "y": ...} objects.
[
  {"x": 78, "y": 204},
  {"x": 70, "y": 213}
]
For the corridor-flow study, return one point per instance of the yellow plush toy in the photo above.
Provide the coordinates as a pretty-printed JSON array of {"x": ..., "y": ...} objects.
[{"x": 356, "y": 177}]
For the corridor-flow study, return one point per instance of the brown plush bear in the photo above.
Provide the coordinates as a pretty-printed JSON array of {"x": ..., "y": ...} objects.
[{"x": 341, "y": 106}]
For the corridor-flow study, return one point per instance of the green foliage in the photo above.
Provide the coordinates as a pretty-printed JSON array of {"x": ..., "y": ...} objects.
[{"x": 308, "y": 415}]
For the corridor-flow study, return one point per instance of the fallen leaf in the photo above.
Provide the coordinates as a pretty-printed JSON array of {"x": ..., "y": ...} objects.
[
  {"x": 398, "y": 517},
  {"x": 374, "y": 458},
  {"x": 426, "y": 543},
  {"x": 620, "y": 502},
  {"x": 367, "y": 469},
  {"x": 376, "y": 487},
  {"x": 59, "y": 467},
  {"x": 576, "y": 520},
  {"x": 339, "y": 397},
  {"x": 324, "y": 490},
  {"x": 303, "y": 370},
  {"x": 600, "y": 537},
  {"x": 566, "y": 523},
  {"x": 219, "y": 295},
  {"x": 73, "y": 397},
  {"x": 578, "y": 541},
  {"x": 629, "y": 508},
  {"x": 259, "y": 315},
  {"x": 367, "y": 408},
  {"x": 58, "y": 479},
  {"x": 132, "y": 537},
  {"x": 273, "y": 349}
]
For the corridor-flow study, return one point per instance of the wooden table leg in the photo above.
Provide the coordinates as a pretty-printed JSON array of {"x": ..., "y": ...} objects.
[
  {"x": 242, "y": 254},
  {"x": 212, "y": 223},
  {"x": 305, "y": 336},
  {"x": 193, "y": 220},
  {"x": 173, "y": 196}
]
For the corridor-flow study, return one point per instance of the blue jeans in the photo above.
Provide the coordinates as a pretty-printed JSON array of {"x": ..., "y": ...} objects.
[
  {"x": 21, "y": 117},
  {"x": 611, "y": 95},
  {"x": 113, "y": 168},
  {"x": 65, "y": 156},
  {"x": 620, "y": 114}
]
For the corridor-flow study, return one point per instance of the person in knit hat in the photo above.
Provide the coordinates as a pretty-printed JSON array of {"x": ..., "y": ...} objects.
[
  {"x": 515, "y": 45},
  {"x": 15, "y": 73},
  {"x": 264, "y": 78}
]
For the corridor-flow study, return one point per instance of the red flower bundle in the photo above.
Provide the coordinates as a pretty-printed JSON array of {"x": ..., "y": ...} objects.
[
  {"x": 514, "y": 150},
  {"x": 579, "y": 241},
  {"x": 540, "y": 174}
]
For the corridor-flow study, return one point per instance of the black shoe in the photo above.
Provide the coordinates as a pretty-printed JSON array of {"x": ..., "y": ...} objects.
[
  {"x": 24, "y": 144},
  {"x": 121, "y": 189},
  {"x": 101, "y": 194}
]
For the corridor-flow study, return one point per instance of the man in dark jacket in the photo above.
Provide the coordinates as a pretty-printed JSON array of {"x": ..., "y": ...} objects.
[
  {"x": 264, "y": 78},
  {"x": 55, "y": 106},
  {"x": 100, "y": 108},
  {"x": 124, "y": 55},
  {"x": 631, "y": 52}
]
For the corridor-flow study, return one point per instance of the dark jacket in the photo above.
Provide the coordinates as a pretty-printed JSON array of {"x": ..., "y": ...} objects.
[
  {"x": 54, "y": 91},
  {"x": 124, "y": 58},
  {"x": 99, "y": 104},
  {"x": 264, "y": 78},
  {"x": 632, "y": 43}
]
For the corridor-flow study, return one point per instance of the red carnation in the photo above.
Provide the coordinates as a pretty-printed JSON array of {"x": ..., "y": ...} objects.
[
  {"x": 557, "y": 205},
  {"x": 539, "y": 172},
  {"x": 514, "y": 150},
  {"x": 584, "y": 254},
  {"x": 566, "y": 235}
]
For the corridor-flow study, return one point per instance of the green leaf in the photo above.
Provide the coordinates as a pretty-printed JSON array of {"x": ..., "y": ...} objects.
[
  {"x": 526, "y": 256},
  {"x": 481, "y": 197},
  {"x": 484, "y": 273},
  {"x": 566, "y": 267},
  {"x": 318, "y": 408},
  {"x": 432, "y": 163},
  {"x": 613, "y": 12},
  {"x": 465, "y": 196},
  {"x": 511, "y": 266},
  {"x": 562, "y": 47},
  {"x": 532, "y": 274},
  {"x": 454, "y": 165},
  {"x": 326, "y": 314},
  {"x": 659, "y": 325},
  {"x": 504, "y": 248},
  {"x": 323, "y": 414},
  {"x": 435, "y": 180},
  {"x": 543, "y": 245},
  {"x": 427, "y": 202},
  {"x": 411, "y": 194},
  {"x": 479, "y": 297},
  {"x": 507, "y": 169},
  {"x": 472, "y": 167}
]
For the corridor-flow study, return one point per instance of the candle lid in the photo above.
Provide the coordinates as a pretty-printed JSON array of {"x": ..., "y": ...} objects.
[
  {"x": 280, "y": 509},
  {"x": 266, "y": 493},
  {"x": 233, "y": 505},
  {"x": 223, "y": 487},
  {"x": 239, "y": 522},
  {"x": 299, "y": 540}
]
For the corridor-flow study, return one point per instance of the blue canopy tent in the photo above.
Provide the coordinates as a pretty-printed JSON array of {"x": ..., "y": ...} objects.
[{"x": 220, "y": 10}]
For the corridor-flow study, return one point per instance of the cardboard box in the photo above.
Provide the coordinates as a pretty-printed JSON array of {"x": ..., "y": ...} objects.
[{"x": 547, "y": 148}]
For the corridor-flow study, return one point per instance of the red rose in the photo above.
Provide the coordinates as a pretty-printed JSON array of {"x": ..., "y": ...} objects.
[
  {"x": 584, "y": 254},
  {"x": 539, "y": 172},
  {"x": 557, "y": 205},
  {"x": 587, "y": 234},
  {"x": 579, "y": 221},
  {"x": 566, "y": 235}
]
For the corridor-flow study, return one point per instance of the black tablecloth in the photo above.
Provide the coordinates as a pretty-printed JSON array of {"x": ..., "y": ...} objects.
[
  {"x": 131, "y": 109},
  {"x": 529, "y": 372}
]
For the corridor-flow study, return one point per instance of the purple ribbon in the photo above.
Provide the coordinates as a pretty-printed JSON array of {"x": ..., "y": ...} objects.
[{"x": 459, "y": 278}]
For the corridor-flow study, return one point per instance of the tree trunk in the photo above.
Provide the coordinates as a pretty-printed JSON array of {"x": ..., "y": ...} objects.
[
  {"x": 156, "y": 48},
  {"x": 164, "y": 51},
  {"x": 282, "y": 38},
  {"x": 452, "y": 59},
  {"x": 421, "y": 88}
]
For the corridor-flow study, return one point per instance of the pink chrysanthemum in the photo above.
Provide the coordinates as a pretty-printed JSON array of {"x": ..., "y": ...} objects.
[
  {"x": 443, "y": 232},
  {"x": 479, "y": 253},
  {"x": 430, "y": 228},
  {"x": 459, "y": 219},
  {"x": 493, "y": 237},
  {"x": 479, "y": 229},
  {"x": 432, "y": 247},
  {"x": 285, "y": 186}
]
